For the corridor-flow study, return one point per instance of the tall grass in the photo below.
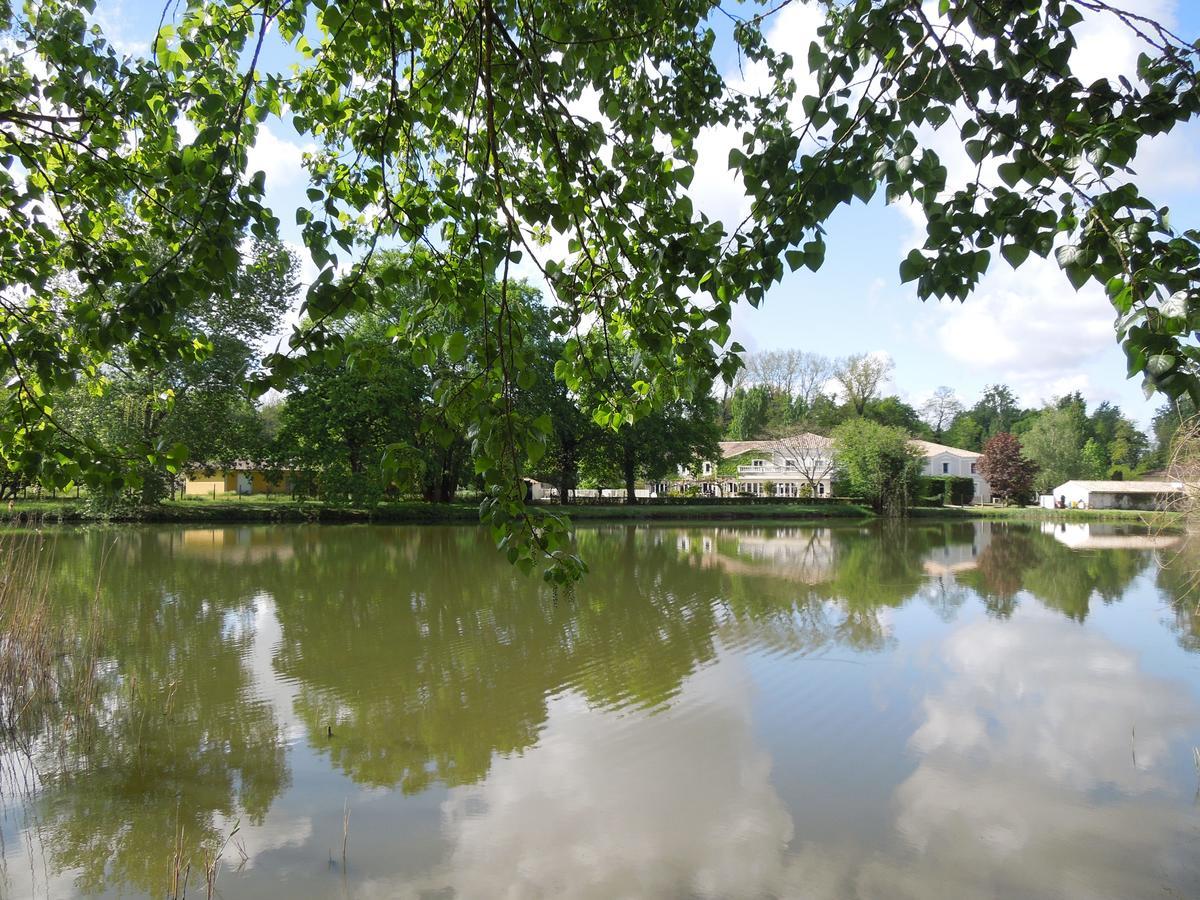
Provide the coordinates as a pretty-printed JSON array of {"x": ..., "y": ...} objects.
[
  {"x": 1184, "y": 467},
  {"x": 1182, "y": 563},
  {"x": 48, "y": 662}
]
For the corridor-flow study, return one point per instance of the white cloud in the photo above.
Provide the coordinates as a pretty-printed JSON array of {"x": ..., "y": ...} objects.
[
  {"x": 715, "y": 190},
  {"x": 114, "y": 20},
  {"x": 599, "y": 809},
  {"x": 1107, "y": 48},
  {"x": 281, "y": 159},
  {"x": 1170, "y": 163},
  {"x": 1029, "y": 327}
]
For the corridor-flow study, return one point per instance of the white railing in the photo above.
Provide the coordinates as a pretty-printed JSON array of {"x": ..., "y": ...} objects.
[{"x": 789, "y": 471}]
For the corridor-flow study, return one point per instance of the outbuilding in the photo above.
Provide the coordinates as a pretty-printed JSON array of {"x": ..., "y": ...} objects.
[
  {"x": 241, "y": 477},
  {"x": 1146, "y": 495}
]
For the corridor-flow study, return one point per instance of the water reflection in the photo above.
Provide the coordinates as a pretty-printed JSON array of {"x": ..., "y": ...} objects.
[
  {"x": 655, "y": 735},
  {"x": 683, "y": 805},
  {"x": 1045, "y": 769}
]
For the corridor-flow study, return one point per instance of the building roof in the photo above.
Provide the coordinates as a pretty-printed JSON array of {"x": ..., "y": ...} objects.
[
  {"x": 238, "y": 465},
  {"x": 730, "y": 449},
  {"x": 929, "y": 448},
  {"x": 1122, "y": 487}
]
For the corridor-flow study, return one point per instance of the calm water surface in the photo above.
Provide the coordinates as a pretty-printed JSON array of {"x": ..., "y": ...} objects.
[{"x": 925, "y": 711}]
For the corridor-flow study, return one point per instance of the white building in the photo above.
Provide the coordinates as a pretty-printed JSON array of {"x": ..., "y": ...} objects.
[
  {"x": 798, "y": 466},
  {"x": 1146, "y": 495},
  {"x": 943, "y": 460},
  {"x": 803, "y": 465}
]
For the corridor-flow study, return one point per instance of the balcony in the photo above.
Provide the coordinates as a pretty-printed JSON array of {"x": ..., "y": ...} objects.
[{"x": 766, "y": 470}]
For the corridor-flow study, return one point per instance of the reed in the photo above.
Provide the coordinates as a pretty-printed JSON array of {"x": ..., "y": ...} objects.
[
  {"x": 48, "y": 663},
  {"x": 1183, "y": 510},
  {"x": 210, "y": 856}
]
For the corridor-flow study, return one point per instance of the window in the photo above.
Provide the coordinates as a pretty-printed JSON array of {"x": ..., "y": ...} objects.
[
  {"x": 821, "y": 489},
  {"x": 757, "y": 462},
  {"x": 708, "y": 468},
  {"x": 945, "y": 468},
  {"x": 973, "y": 468}
]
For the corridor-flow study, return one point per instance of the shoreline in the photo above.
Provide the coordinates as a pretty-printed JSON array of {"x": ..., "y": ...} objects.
[{"x": 264, "y": 511}]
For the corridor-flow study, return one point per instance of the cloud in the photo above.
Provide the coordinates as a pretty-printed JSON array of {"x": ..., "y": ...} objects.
[
  {"x": 114, "y": 18},
  {"x": 715, "y": 190},
  {"x": 282, "y": 160},
  {"x": 1170, "y": 163},
  {"x": 1107, "y": 48},
  {"x": 599, "y": 809},
  {"x": 1028, "y": 326}
]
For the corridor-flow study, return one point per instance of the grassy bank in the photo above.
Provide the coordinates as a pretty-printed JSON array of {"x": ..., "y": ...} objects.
[
  {"x": 247, "y": 509},
  {"x": 233, "y": 510},
  {"x": 1038, "y": 514},
  {"x": 284, "y": 509}
]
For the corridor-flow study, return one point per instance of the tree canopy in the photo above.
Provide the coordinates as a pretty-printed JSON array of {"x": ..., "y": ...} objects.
[{"x": 488, "y": 132}]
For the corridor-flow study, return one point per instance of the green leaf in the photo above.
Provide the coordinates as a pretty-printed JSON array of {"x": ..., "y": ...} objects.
[
  {"x": 912, "y": 266},
  {"x": 456, "y": 346},
  {"x": 1010, "y": 172},
  {"x": 1015, "y": 254}
]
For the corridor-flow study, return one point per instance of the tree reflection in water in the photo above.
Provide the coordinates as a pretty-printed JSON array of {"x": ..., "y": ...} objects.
[{"x": 416, "y": 656}]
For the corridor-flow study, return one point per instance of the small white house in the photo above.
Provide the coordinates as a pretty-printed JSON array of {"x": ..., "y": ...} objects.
[
  {"x": 943, "y": 460},
  {"x": 1146, "y": 495}
]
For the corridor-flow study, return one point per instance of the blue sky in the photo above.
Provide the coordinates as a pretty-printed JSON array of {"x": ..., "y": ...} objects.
[{"x": 1026, "y": 327}]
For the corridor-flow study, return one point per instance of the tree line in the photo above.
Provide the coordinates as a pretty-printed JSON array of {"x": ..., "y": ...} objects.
[
  {"x": 368, "y": 419},
  {"x": 784, "y": 391}
]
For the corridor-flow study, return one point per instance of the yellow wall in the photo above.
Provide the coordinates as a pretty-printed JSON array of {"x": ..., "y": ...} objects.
[
  {"x": 200, "y": 485},
  {"x": 260, "y": 485},
  {"x": 222, "y": 482}
]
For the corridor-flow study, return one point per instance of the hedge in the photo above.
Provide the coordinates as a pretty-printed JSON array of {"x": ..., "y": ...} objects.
[{"x": 946, "y": 490}]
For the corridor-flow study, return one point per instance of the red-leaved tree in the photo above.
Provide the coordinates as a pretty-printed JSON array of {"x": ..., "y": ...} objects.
[{"x": 1007, "y": 471}]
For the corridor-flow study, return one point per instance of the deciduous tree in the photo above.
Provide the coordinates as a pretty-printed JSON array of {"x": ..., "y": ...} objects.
[
  {"x": 1008, "y": 472},
  {"x": 1055, "y": 444},
  {"x": 940, "y": 409},
  {"x": 860, "y": 377},
  {"x": 811, "y": 454},
  {"x": 879, "y": 463}
]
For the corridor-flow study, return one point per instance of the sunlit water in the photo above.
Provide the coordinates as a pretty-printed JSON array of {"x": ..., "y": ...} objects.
[{"x": 935, "y": 710}]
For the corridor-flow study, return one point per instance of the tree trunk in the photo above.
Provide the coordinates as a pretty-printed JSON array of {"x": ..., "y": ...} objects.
[
  {"x": 630, "y": 467},
  {"x": 566, "y": 471},
  {"x": 447, "y": 484}
]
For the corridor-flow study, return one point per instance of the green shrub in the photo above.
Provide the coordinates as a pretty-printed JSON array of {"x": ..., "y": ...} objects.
[{"x": 946, "y": 490}]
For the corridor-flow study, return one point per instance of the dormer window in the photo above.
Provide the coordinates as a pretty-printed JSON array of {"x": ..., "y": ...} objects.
[{"x": 757, "y": 462}]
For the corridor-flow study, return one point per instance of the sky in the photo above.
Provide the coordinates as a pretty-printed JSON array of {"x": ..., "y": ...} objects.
[{"x": 1026, "y": 327}]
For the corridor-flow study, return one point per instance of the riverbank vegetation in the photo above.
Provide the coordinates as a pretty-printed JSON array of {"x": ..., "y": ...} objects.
[
  {"x": 48, "y": 665},
  {"x": 281, "y": 508}
]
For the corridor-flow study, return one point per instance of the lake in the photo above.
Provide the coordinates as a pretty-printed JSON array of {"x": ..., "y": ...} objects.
[{"x": 957, "y": 710}]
